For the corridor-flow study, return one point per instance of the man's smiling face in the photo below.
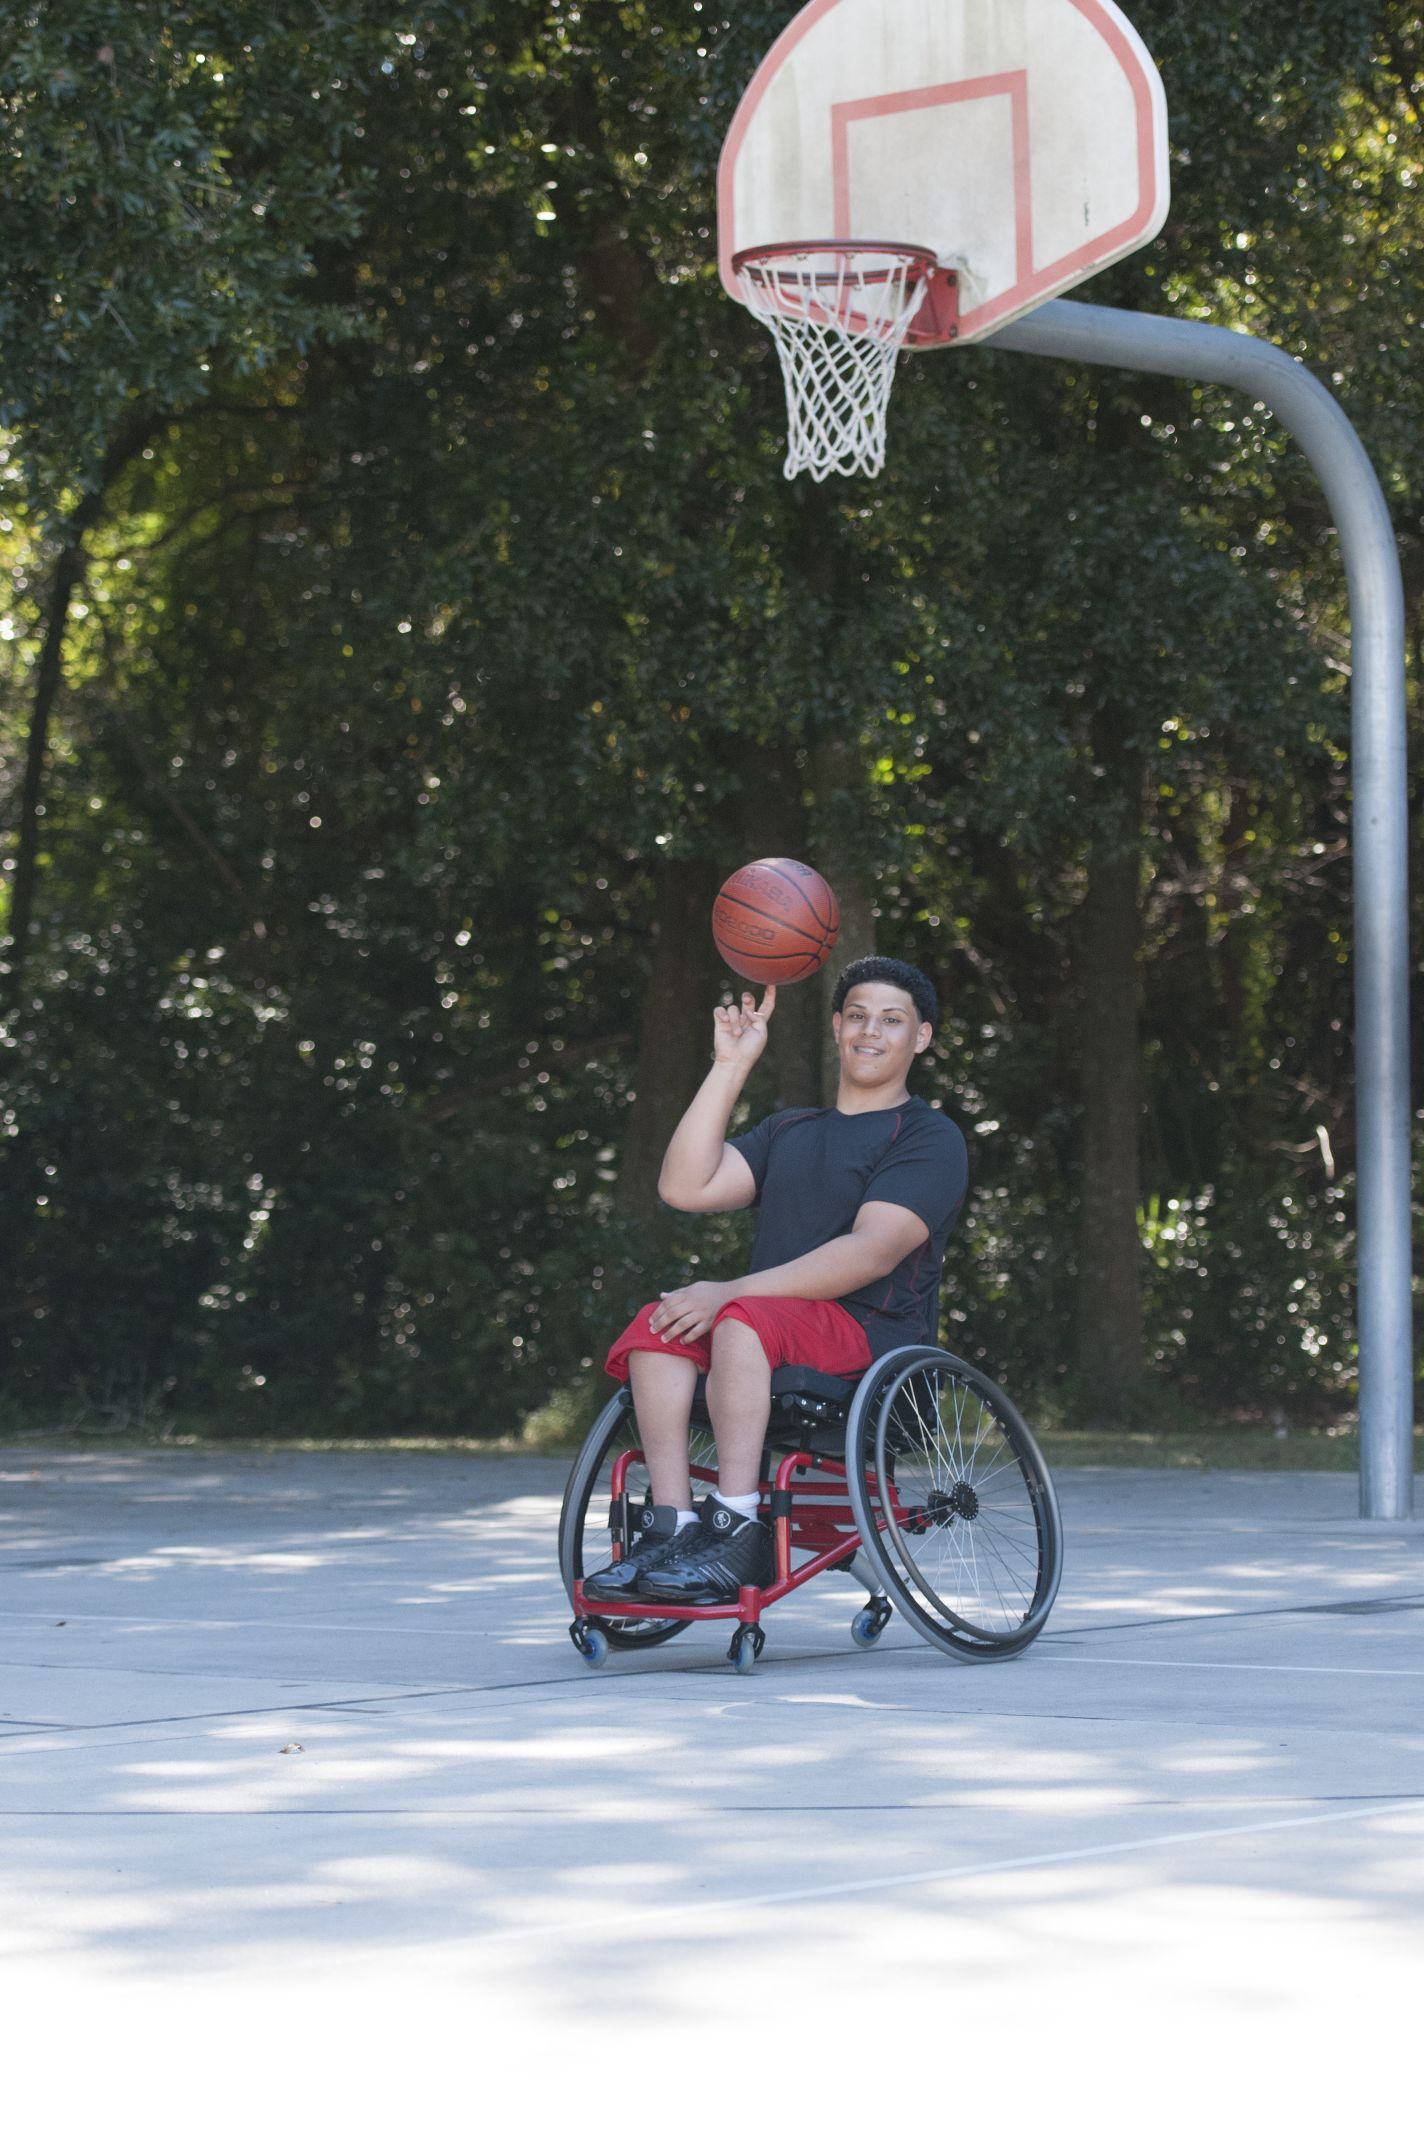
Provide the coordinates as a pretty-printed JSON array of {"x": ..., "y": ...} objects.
[{"x": 879, "y": 1035}]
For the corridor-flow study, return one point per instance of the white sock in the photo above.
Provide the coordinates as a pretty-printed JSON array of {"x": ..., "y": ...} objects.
[
  {"x": 744, "y": 1506},
  {"x": 684, "y": 1518}
]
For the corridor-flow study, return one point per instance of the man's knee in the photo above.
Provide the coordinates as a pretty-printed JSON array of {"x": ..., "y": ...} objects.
[
  {"x": 735, "y": 1340},
  {"x": 662, "y": 1358}
]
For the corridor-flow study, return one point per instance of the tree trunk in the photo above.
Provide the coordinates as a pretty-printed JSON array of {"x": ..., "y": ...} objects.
[
  {"x": 688, "y": 977},
  {"x": 856, "y": 940},
  {"x": 49, "y": 675},
  {"x": 675, "y": 1032},
  {"x": 840, "y": 787},
  {"x": 68, "y": 568},
  {"x": 772, "y": 822},
  {"x": 1109, "y": 1311}
]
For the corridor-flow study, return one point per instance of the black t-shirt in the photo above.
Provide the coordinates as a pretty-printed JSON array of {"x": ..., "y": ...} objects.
[{"x": 816, "y": 1168}]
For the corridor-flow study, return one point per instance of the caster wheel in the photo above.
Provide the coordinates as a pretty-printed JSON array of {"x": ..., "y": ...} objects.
[
  {"x": 745, "y": 1648},
  {"x": 869, "y": 1621},
  {"x": 589, "y": 1642}
]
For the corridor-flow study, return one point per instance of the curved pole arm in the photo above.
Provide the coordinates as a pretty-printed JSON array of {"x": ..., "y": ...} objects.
[{"x": 1189, "y": 349}]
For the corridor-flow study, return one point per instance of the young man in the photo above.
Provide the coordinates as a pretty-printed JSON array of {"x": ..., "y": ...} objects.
[{"x": 855, "y": 1205}]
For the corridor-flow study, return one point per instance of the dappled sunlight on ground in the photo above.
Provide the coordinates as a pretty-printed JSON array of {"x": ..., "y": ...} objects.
[{"x": 345, "y": 1735}]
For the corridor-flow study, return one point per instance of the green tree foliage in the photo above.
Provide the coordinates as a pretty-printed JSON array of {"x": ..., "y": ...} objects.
[
  {"x": 173, "y": 176},
  {"x": 441, "y": 628}
]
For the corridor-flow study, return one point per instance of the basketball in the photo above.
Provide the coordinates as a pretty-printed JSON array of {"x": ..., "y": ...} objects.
[{"x": 775, "y": 921}]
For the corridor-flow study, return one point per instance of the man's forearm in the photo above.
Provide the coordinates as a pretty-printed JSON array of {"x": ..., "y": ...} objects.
[
  {"x": 694, "y": 1152},
  {"x": 835, "y": 1269},
  {"x": 882, "y": 1236}
]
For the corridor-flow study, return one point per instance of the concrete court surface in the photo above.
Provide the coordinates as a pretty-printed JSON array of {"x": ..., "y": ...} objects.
[{"x": 307, "y": 1805}]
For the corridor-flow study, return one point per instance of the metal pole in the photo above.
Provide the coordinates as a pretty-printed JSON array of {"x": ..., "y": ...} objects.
[{"x": 1188, "y": 349}]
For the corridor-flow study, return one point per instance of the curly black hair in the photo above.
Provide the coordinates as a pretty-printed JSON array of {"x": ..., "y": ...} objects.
[{"x": 875, "y": 968}]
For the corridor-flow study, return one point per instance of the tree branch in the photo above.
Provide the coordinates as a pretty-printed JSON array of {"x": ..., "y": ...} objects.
[{"x": 49, "y": 676}]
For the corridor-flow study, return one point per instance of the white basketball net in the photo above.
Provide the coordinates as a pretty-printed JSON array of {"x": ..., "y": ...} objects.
[{"x": 838, "y": 319}]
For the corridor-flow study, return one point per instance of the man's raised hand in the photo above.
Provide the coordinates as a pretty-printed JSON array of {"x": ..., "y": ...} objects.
[{"x": 740, "y": 1030}]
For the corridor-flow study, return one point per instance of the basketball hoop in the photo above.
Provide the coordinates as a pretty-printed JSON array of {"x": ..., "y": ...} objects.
[{"x": 839, "y": 311}]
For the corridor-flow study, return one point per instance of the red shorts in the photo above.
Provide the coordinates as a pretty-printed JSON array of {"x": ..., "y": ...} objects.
[{"x": 816, "y": 1336}]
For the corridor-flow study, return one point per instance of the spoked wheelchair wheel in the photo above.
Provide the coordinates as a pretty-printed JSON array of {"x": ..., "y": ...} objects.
[
  {"x": 954, "y": 1503},
  {"x": 585, "y": 1540}
]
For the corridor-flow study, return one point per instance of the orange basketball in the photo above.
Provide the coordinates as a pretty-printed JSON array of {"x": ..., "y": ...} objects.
[{"x": 775, "y": 921}]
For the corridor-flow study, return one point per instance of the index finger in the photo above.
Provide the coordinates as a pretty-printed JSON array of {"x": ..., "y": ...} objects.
[{"x": 767, "y": 1006}]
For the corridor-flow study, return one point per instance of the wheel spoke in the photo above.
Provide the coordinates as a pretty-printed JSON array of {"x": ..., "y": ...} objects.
[
  {"x": 1004, "y": 1466},
  {"x": 961, "y": 1515},
  {"x": 585, "y": 1543},
  {"x": 1006, "y": 1547}
]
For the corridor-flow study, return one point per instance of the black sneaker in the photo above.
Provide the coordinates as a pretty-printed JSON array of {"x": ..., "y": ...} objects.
[
  {"x": 726, "y": 1553},
  {"x": 658, "y": 1533}
]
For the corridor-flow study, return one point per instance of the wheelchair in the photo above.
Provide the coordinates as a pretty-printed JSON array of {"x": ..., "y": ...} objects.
[{"x": 921, "y": 1479}]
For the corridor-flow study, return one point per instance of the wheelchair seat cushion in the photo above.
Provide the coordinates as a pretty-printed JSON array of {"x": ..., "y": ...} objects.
[
  {"x": 814, "y": 1383},
  {"x": 789, "y": 1389}
]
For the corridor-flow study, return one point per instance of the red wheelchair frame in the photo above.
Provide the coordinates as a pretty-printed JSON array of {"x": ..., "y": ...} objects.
[
  {"x": 935, "y": 1489},
  {"x": 826, "y": 1531}
]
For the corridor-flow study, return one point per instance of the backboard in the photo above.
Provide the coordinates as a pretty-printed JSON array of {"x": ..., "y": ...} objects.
[{"x": 1024, "y": 142}]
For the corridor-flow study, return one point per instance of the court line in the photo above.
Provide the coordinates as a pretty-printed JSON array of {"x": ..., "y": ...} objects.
[
  {"x": 1352, "y": 1606},
  {"x": 956, "y": 1872},
  {"x": 14, "y": 1734},
  {"x": 1231, "y": 1667},
  {"x": 394, "y": 1694},
  {"x": 310, "y": 1704},
  {"x": 580, "y": 1679},
  {"x": 456, "y": 1814},
  {"x": 48, "y": 1619},
  {"x": 296, "y": 1625},
  {"x": 425, "y": 1629}
]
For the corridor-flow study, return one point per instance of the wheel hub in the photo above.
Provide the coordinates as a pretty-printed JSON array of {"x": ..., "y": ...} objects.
[{"x": 944, "y": 1506}]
